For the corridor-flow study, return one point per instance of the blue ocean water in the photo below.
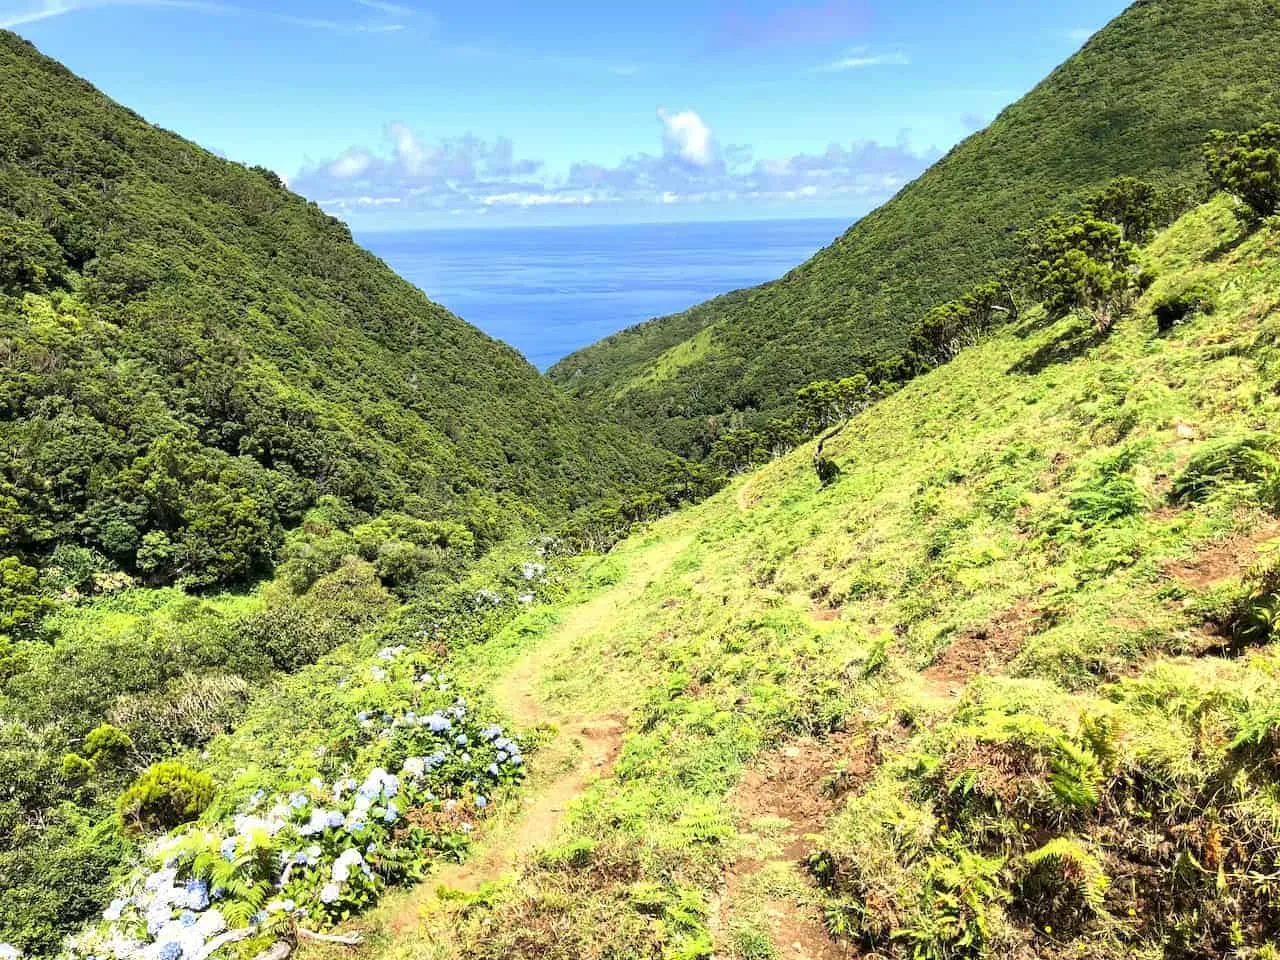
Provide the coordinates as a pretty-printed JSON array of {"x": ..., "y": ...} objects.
[{"x": 549, "y": 290}]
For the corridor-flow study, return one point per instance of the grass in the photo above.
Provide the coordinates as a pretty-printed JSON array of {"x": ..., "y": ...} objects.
[{"x": 1028, "y": 516}]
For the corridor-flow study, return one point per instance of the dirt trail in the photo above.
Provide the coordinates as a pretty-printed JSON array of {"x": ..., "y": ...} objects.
[
  {"x": 781, "y": 803},
  {"x": 1228, "y": 558},
  {"x": 583, "y": 750}
]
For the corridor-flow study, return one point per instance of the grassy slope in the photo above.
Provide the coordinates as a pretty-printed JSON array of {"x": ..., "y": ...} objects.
[
  {"x": 1137, "y": 100},
  {"x": 956, "y": 536}
]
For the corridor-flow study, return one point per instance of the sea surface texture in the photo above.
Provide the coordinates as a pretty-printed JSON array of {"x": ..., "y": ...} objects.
[{"x": 549, "y": 290}]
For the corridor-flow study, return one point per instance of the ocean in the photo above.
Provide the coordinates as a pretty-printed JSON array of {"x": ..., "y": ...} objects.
[{"x": 549, "y": 290}]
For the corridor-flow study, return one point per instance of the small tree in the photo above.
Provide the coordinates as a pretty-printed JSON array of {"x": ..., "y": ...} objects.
[
  {"x": 1131, "y": 204},
  {"x": 1083, "y": 264},
  {"x": 21, "y": 602},
  {"x": 1247, "y": 166}
]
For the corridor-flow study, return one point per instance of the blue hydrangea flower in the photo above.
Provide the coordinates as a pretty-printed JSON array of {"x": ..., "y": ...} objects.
[
  {"x": 197, "y": 895},
  {"x": 188, "y": 918},
  {"x": 391, "y": 814},
  {"x": 229, "y": 848},
  {"x": 492, "y": 770},
  {"x": 170, "y": 951}
]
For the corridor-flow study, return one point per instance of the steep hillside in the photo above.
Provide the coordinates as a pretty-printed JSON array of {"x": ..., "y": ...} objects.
[
  {"x": 1007, "y": 688},
  {"x": 190, "y": 356},
  {"x": 1137, "y": 100}
]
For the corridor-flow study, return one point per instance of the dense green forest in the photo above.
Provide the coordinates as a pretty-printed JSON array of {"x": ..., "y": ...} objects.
[
  {"x": 1138, "y": 100},
  {"x": 190, "y": 356}
]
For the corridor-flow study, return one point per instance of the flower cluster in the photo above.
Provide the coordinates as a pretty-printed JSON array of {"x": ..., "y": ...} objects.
[
  {"x": 487, "y": 598},
  {"x": 406, "y": 794}
]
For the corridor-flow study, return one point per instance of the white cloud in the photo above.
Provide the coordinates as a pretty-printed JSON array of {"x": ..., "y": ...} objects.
[
  {"x": 392, "y": 9},
  {"x": 350, "y": 164},
  {"x": 688, "y": 136},
  {"x": 860, "y": 59},
  {"x": 467, "y": 173}
]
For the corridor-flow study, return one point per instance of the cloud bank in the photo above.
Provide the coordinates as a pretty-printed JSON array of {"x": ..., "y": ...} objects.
[{"x": 691, "y": 166}]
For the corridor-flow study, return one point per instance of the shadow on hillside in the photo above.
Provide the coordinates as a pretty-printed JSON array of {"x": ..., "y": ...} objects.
[{"x": 1074, "y": 341}]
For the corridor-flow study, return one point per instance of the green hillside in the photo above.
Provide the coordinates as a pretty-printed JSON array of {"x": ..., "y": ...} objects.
[
  {"x": 1007, "y": 688},
  {"x": 204, "y": 384},
  {"x": 191, "y": 355},
  {"x": 1137, "y": 100}
]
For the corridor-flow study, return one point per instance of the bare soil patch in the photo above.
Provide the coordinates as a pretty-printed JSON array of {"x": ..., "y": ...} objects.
[
  {"x": 985, "y": 649},
  {"x": 802, "y": 783},
  {"x": 1220, "y": 561}
]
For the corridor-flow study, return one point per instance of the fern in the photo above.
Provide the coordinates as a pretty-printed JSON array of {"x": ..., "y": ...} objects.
[{"x": 1064, "y": 861}]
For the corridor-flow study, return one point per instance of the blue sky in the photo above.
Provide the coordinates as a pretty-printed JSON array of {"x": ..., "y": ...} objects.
[{"x": 414, "y": 113}]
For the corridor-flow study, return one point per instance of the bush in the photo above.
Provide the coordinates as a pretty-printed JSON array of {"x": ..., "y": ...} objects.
[
  {"x": 21, "y": 603},
  {"x": 190, "y": 711},
  {"x": 76, "y": 770},
  {"x": 1172, "y": 308},
  {"x": 1063, "y": 885},
  {"x": 1083, "y": 264},
  {"x": 1247, "y": 166},
  {"x": 107, "y": 745},
  {"x": 1133, "y": 205},
  {"x": 71, "y": 567},
  {"x": 165, "y": 795},
  {"x": 30, "y": 259}
]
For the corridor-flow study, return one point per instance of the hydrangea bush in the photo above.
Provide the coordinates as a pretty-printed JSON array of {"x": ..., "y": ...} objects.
[{"x": 410, "y": 776}]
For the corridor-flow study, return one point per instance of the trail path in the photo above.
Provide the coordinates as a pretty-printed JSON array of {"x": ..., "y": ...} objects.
[
  {"x": 784, "y": 800},
  {"x": 583, "y": 749}
]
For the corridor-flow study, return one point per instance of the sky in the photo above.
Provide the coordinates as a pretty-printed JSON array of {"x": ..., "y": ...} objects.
[{"x": 443, "y": 113}]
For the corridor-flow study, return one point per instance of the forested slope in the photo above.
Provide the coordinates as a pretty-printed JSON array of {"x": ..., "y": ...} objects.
[
  {"x": 1137, "y": 100},
  {"x": 190, "y": 355}
]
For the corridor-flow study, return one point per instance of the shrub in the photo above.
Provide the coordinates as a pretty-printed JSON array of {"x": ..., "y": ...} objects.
[
  {"x": 1175, "y": 306},
  {"x": 1247, "y": 166},
  {"x": 76, "y": 770},
  {"x": 30, "y": 259},
  {"x": 1063, "y": 885},
  {"x": 1133, "y": 205},
  {"x": 107, "y": 745},
  {"x": 165, "y": 795},
  {"x": 21, "y": 603},
  {"x": 1083, "y": 264},
  {"x": 71, "y": 567},
  {"x": 191, "y": 710}
]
